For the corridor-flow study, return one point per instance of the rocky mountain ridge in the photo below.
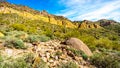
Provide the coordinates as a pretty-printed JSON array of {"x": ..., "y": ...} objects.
[
  {"x": 27, "y": 12},
  {"x": 35, "y": 15}
]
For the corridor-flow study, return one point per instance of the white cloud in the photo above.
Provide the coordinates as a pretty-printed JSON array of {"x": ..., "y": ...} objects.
[{"x": 91, "y": 9}]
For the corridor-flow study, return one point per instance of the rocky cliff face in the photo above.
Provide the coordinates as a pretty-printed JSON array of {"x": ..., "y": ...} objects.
[
  {"x": 86, "y": 24},
  {"x": 105, "y": 22},
  {"x": 27, "y": 12},
  {"x": 44, "y": 16}
]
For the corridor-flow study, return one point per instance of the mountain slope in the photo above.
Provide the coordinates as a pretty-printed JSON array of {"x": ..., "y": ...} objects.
[
  {"x": 34, "y": 15},
  {"x": 24, "y": 30}
]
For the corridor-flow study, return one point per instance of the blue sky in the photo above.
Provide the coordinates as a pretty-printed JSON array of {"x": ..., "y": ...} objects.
[{"x": 77, "y": 9}]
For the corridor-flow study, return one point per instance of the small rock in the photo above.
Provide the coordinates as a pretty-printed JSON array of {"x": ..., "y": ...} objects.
[
  {"x": 46, "y": 44},
  {"x": 70, "y": 54},
  {"x": 28, "y": 44},
  {"x": 44, "y": 59},
  {"x": 76, "y": 58},
  {"x": 56, "y": 57},
  {"x": 65, "y": 61},
  {"x": 51, "y": 61},
  {"x": 41, "y": 55},
  {"x": 9, "y": 52},
  {"x": 48, "y": 55},
  {"x": 63, "y": 56}
]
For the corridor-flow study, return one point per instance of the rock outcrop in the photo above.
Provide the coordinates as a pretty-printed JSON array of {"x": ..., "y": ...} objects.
[
  {"x": 78, "y": 44},
  {"x": 105, "y": 22},
  {"x": 86, "y": 24}
]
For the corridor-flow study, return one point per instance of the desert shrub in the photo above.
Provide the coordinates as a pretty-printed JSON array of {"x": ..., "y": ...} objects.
[
  {"x": 104, "y": 42},
  {"x": 19, "y": 63},
  {"x": 17, "y": 34},
  {"x": 90, "y": 41},
  {"x": 29, "y": 57},
  {"x": 33, "y": 38},
  {"x": 14, "y": 42},
  {"x": 105, "y": 61},
  {"x": 9, "y": 41},
  {"x": 68, "y": 65},
  {"x": 116, "y": 45},
  {"x": 39, "y": 63},
  {"x": 34, "y": 62},
  {"x": 37, "y": 38},
  {"x": 32, "y": 30},
  {"x": 115, "y": 28},
  {"x": 13, "y": 63},
  {"x": 58, "y": 53},
  {"x": 84, "y": 56},
  {"x": 44, "y": 38},
  {"x": 75, "y": 51},
  {"x": 26, "y": 61},
  {"x": 49, "y": 33},
  {"x": 78, "y": 53},
  {"x": 19, "y": 44},
  {"x": 1, "y": 58},
  {"x": 19, "y": 27}
]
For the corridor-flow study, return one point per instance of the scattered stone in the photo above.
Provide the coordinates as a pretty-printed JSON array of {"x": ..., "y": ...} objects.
[
  {"x": 51, "y": 61},
  {"x": 70, "y": 54},
  {"x": 51, "y": 52},
  {"x": 56, "y": 58},
  {"x": 44, "y": 59},
  {"x": 29, "y": 44},
  {"x": 47, "y": 55},
  {"x": 9, "y": 52},
  {"x": 63, "y": 56}
]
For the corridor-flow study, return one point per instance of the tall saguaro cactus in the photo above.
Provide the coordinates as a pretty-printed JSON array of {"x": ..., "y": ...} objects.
[{"x": 64, "y": 24}]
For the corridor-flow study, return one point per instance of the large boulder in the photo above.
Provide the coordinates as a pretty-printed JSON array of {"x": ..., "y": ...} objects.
[{"x": 78, "y": 44}]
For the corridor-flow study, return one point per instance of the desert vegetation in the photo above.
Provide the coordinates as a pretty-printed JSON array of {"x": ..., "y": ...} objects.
[{"x": 17, "y": 31}]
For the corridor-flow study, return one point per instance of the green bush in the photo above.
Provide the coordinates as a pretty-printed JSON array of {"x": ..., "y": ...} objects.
[
  {"x": 37, "y": 38},
  {"x": 42, "y": 64},
  {"x": 13, "y": 63},
  {"x": 84, "y": 56},
  {"x": 17, "y": 34},
  {"x": 19, "y": 44},
  {"x": 19, "y": 27},
  {"x": 33, "y": 38},
  {"x": 78, "y": 53},
  {"x": 26, "y": 61},
  {"x": 29, "y": 57},
  {"x": 9, "y": 41},
  {"x": 44, "y": 38},
  {"x": 58, "y": 53},
  {"x": 68, "y": 65},
  {"x": 105, "y": 61},
  {"x": 14, "y": 42},
  {"x": 75, "y": 51}
]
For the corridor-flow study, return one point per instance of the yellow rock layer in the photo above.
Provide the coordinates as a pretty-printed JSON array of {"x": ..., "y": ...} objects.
[
  {"x": 1, "y": 34},
  {"x": 24, "y": 14}
]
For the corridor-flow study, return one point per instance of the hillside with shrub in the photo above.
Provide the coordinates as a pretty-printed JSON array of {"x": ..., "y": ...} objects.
[{"x": 37, "y": 39}]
